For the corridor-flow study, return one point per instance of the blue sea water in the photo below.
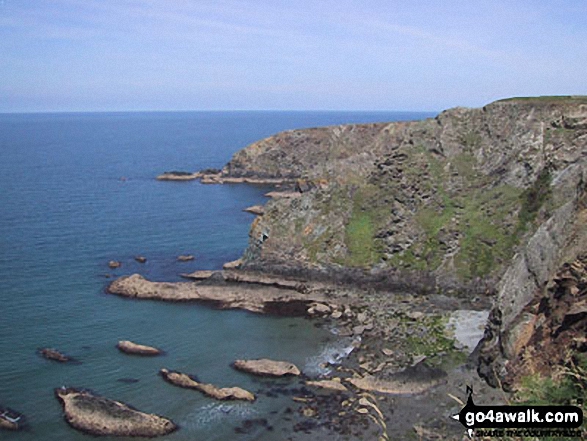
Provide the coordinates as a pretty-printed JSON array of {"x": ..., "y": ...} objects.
[{"x": 78, "y": 190}]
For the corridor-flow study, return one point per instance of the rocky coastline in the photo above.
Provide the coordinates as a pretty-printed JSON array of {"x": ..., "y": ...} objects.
[
  {"x": 449, "y": 253},
  {"x": 471, "y": 211}
]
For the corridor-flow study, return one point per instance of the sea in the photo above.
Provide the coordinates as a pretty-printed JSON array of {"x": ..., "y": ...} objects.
[{"x": 78, "y": 190}]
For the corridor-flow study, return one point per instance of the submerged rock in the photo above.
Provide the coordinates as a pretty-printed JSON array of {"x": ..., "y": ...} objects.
[
  {"x": 185, "y": 258},
  {"x": 267, "y": 368},
  {"x": 189, "y": 382},
  {"x": 10, "y": 419},
  {"x": 141, "y": 259},
  {"x": 129, "y": 347},
  {"x": 97, "y": 415},
  {"x": 54, "y": 354}
]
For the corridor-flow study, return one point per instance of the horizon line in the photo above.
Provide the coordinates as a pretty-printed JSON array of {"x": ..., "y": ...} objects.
[{"x": 39, "y": 112}]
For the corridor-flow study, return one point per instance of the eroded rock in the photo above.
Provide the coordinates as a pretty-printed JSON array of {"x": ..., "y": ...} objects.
[
  {"x": 189, "y": 382},
  {"x": 100, "y": 416},
  {"x": 267, "y": 368},
  {"x": 129, "y": 347}
]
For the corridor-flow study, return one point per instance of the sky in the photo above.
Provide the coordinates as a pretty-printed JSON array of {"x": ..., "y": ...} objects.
[{"x": 417, "y": 55}]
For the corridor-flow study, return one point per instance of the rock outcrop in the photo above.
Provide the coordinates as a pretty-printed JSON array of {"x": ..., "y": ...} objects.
[
  {"x": 189, "y": 382},
  {"x": 267, "y": 368},
  {"x": 97, "y": 415},
  {"x": 251, "y": 297},
  {"x": 129, "y": 347},
  {"x": 440, "y": 204},
  {"x": 178, "y": 176},
  {"x": 476, "y": 202},
  {"x": 198, "y": 275},
  {"x": 255, "y": 209},
  {"x": 411, "y": 381}
]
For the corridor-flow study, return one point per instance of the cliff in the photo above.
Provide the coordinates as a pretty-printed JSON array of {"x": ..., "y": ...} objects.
[{"x": 475, "y": 201}]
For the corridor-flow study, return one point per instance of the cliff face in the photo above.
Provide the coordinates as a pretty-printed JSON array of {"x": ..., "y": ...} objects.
[{"x": 483, "y": 200}]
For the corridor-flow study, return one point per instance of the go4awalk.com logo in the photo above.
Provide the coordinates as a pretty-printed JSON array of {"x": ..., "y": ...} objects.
[{"x": 520, "y": 421}]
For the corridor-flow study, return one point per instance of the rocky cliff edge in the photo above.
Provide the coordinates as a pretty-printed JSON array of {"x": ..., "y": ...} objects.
[{"x": 487, "y": 201}]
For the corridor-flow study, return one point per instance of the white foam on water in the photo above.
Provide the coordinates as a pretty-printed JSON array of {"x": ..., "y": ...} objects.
[
  {"x": 210, "y": 415},
  {"x": 331, "y": 354},
  {"x": 468, "y": 327}
]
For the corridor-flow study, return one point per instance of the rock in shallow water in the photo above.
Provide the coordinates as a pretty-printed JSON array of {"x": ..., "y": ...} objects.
[
  {"x": 54, "y": 354},
  {"x": 267, "y": 368},
  {"x": 129, "y": 347},
  {"x": 10, "y": 420},
  {"x": 188, "y": 382},
  {"x": 100, "y": 416}
]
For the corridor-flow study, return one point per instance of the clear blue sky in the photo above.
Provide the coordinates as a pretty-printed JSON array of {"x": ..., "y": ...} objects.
[{"x": 79, "y": 55}]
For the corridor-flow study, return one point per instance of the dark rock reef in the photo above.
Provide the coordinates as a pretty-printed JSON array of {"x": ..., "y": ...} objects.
[
  {"x": 54, "y": 355},
  {"x": 100, "y": 416},
  {"x": 10, "y": 419}
]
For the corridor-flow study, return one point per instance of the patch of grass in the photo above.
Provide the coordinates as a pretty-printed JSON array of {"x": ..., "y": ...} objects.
[
  {"x": 359, "y": 239},
  {"x": 561, "y": 388},
  {"x": 533, "y": 198},
  {"x": 485, "y": 239},
  {"x": 367, "y": 215},
  {"x": 434, "y": 342}
]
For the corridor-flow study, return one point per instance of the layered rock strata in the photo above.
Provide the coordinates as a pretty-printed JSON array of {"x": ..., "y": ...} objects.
[{"x": 251, "y": 297}]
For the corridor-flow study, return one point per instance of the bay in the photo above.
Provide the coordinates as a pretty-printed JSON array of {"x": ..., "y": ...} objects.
[{"x": 78, "y": 190}]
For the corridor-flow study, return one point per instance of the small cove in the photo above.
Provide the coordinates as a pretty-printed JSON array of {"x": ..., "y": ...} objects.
[{"x": 66, "y": 212}]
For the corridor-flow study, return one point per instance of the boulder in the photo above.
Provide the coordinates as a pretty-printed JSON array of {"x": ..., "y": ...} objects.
[
  {"x": 267, "y": 368},
  {"x": 100, "y": 416},
  {"x": 114, "y": 264},
  {"x": 189, "y": 382},
  {"x": 129, "y": 347},
  {"x": 140, "y": 259},
  {"x": 54, "y": 354}
]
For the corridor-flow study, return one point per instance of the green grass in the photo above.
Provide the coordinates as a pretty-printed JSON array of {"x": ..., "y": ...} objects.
[
  {"x": 367, "y": 216},
  {"x": 359, "y": 239}
]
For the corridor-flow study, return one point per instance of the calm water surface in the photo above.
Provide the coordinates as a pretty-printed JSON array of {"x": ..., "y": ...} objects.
[{"x": 65, "y": 212}]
